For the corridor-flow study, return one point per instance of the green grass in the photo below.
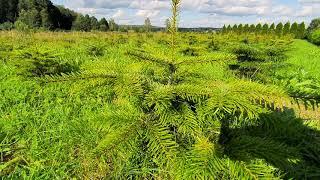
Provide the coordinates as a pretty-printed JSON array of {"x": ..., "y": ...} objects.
[{"x": 306, "y": 56}]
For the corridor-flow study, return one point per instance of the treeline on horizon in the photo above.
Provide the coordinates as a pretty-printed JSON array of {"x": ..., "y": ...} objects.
[
  {"x": 295, "y": 29},
  {"x": 28, "y": 14}
]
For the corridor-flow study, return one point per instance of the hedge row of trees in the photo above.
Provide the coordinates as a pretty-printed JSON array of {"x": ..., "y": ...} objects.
[
  {"x": 298, "y": 30},
  {"x": 43, "y": 14},
  {"x": 313, "y": 32}
]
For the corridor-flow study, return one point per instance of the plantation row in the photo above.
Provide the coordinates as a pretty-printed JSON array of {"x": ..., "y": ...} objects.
[{"x": 298, "y": 30}]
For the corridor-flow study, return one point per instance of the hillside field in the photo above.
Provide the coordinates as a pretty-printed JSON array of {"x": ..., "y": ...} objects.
[{"x": 127, "y": 106}]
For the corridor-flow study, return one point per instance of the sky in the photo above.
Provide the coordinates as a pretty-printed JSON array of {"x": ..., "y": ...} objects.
[{"x": 199, "y": 13}]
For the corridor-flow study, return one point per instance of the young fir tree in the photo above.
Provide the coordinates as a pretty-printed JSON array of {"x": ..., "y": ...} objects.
[
  {"x": 286, "y": 28},
  {"x": 224, "y": 29},
  {"x": 265, "y": 28},
  {"x": 229, "y": 28},
  {"x": 294, "y": 29},
  {"x": 168, "y": 126},
  {"x": 240, "y": 28},
  {"x": 246, "y": 28},
  {"x": 258, "y": 28},
  {"x": 301, "y": 30},
  {"x": 272, "y": 28},
  {"x": 103, "y": 25},
  {"x": 94, "y": 23},
  {"x": 252, "y": 28},
  {"x": 279, "y": 29},
  {"x": 235, "y": 28}
]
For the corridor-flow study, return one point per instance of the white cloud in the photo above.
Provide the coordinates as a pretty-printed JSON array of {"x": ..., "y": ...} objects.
[{"x": 199, "y": 12}]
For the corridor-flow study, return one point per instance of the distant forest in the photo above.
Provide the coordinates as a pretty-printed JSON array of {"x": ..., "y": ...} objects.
[{"x": 44, "y": 14}]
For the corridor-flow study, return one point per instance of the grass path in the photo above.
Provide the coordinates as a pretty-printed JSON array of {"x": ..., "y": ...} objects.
[{"x": 307, "y": 56}]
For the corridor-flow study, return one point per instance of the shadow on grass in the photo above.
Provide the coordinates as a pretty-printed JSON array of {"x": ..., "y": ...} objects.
[{"x": 282, "y": 140}]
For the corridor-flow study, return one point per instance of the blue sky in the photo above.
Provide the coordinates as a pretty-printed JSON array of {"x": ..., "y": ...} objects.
[{"x": 196, "y": 13}]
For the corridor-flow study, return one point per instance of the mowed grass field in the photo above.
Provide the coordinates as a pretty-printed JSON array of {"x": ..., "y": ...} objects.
[{"x": 53, "y": 127}]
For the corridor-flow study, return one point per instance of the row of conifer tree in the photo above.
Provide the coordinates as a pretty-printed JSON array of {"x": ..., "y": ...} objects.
[{"x": 295, "y": 29}]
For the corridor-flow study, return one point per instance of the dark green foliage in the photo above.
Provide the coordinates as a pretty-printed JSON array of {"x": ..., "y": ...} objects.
[
  {"x": 279, "y": 29},
  {"x": 281, "y": 139},
  {"x": 286, "y": 28},
  {"x": 301, "y": 30},
  {"x": 192, "y": 40},
  {"x": 8, "y": 11},
  {"x": 315, "y": 24},
  {"x": 103, "y": 25},
  {"x": 34, "y": 62},
  {"x": 82, "y": 23},
  {"x": 294, "y": 29},
  {"x": 254, "y": 61},
  {"x": 240, "y": 29},
  {"x": 43, "y": 14},
  {"x": 314, "y": 37},
  {"x": 229, "y": 28},
  {"x": 66, "y": 17},
  {"x": 94, "y": 23},
  {"x": 265, "y": 28},
  {"x": 235, "y": 28},
  {"x": 313, "y": 32},
  {"x": 272, "y": 28},
  {"x": 96, "y": 50},
  {"x": 248, "y": 53},
  {"x": 224, "y": 29},
  {"x": 252, "y": 28},
  {"x": 246, "y": 28},
  {"x": 6, "y": 26},
  {"x": 190, "y": 52},
  {"x": 213, "y": 46},
  {"x": 258, "y": 28}
]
